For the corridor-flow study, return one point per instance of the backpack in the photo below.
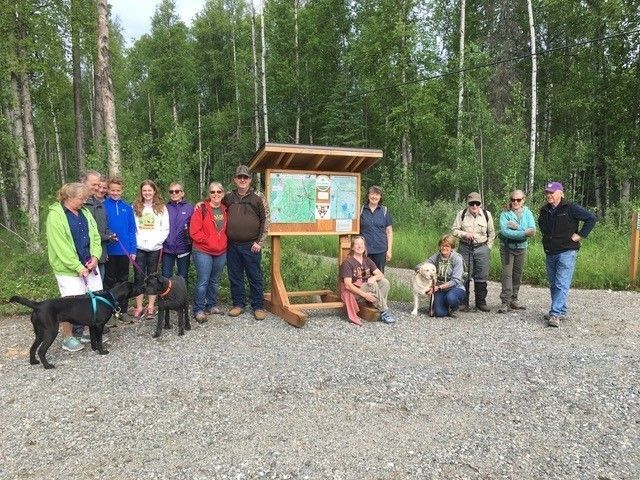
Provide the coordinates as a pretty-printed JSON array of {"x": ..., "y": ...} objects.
[{"x": 484, "y": 210}]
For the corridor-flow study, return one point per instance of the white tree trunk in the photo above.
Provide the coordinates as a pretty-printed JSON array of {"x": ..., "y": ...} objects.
[
  {"x": 296, "y": 45},
  {"x": 200, "y": 164},
  {"x": 534, "y": 100},
  {"x": 56, "y": 133},
  {"x": 33, "y": 212},
  {"x": 21, "y": 157},
  {"x": 256, "y": 100},
  {"x": 97, "y": 120},
  {"x": 108, "y": 102},
  {"x": 4, "y": 206},
  {"x": 264, "y": 79},
  {"x": 77, "y": 92},
  {"x": 235, "y": 69},
  {"x": 174, "y": 107},
  {"x": 460, "y": 91}
]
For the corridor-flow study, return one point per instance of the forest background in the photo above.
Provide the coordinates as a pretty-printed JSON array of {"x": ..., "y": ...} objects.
[{"x": 455, "y": 93}]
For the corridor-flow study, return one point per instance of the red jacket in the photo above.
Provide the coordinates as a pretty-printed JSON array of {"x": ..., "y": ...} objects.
[{"x": 204, "y": 234}]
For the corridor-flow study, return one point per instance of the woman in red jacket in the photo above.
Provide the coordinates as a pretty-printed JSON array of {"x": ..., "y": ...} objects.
[{"x": 208, "y": 230}]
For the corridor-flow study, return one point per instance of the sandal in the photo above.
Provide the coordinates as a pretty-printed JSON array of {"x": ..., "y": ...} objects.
[
  {"x": 135, "y": 313},
  {"x": 150, "y": 312}
]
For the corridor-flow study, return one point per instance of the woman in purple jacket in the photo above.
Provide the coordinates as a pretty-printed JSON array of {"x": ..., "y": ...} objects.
[{"x": 176, "y": 250}]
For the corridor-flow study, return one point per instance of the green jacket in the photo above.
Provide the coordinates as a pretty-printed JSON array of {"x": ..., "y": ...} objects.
[{"x": 63, "y": 257}]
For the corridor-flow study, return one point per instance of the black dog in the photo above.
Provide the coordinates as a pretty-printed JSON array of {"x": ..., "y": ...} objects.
[
  {"x": 82, "y": 309},
  {"x": 172, "y": 295}
]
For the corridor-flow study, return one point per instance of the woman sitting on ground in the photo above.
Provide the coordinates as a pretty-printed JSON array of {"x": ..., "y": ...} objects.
[
  {"x": 362, "y": 279},
  {"x": 449, "y": 290}
]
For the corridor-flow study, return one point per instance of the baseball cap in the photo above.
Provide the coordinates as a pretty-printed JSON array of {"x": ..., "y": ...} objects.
[
  {"x": 553, "y": 187},
  {"x": 474, "y": 197},
  {"x": 242, "y": 170}
]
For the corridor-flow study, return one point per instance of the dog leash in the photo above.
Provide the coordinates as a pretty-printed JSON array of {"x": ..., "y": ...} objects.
[{"x": 131, "y": 260}]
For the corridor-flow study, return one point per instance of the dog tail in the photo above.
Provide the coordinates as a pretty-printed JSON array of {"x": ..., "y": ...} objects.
[{"x": 24, "y": 301}]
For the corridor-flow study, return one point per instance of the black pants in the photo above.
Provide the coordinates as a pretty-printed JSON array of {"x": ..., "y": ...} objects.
[
  {"x": 148, "y": 262},
  {"x": 116, "y": 270}
]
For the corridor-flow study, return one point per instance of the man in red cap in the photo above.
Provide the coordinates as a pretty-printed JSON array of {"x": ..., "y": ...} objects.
[{"x": 559, "y": 222}]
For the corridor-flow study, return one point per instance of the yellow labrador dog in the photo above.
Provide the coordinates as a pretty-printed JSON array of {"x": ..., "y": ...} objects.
[{"x": 422, "y": 283}]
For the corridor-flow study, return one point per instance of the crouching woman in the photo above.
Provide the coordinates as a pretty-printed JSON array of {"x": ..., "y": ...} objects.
[
  {"x": 361, "y": 279},
  {"x": 449, "y": 290}
]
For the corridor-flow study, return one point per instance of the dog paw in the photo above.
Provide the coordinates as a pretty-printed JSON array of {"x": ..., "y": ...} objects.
[
  {"x": 103, "y": 352},
  {"x": 33, "y": 361},
  {"x": 155, "y": 335},
  {"x": 167, "y": 326},
  {"x": 414, "y": 313},
  {"x": 49, "y": 366}
]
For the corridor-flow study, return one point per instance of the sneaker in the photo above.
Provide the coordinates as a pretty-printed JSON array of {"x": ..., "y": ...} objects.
[
  {"x": 200, "y": 317},
  {"x": 72, "y": 344},
  {"x": 515, "y": 305},
  {"x": 260, "y": 314},
  {"x": 504, "y": 308},
  {"x": 86, "y": 338},
  {"x": 214, "y": 311},
  {"x": 387, "y": 318},
  {"x": 453, "y": 314},
  {"x": 463, "y": 308},
  {"x": 150, "y": 312},
  {"x": 136, "y": 313},
  {"x": 553, "y": 321},
  {"x": 235, "y": 311},
  {"x": 483, "y": 308}
]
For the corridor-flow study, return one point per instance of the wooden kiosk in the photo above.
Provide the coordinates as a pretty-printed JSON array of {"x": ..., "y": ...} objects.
[{"x": 311, "y": 190}]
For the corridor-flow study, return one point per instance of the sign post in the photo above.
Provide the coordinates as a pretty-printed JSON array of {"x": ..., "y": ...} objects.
[
  {"x": 635, "y": 248},
  {"x": 311, "y": 190}
]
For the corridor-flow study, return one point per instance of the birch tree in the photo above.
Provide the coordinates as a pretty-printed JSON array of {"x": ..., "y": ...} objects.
[
  {"x": 534, "y": 99},
  {"x": 460, "y": 90},
  {"x": 106, "y": 89}
]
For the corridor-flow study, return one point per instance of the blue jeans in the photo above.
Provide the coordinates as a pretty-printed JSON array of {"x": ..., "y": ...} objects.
[
  {"x": 208, "y": 270},
  {"x": 241, "y": 259},
  {"x": 169, "y": 260},
  {"x": 560, "y": 268},
  {"x": 447, "y": 299}
]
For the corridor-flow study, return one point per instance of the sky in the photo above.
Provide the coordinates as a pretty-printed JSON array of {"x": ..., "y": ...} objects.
[{"x": 134, "y": 16}]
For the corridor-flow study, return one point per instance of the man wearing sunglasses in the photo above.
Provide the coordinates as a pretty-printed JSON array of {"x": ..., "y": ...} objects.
[
  {"x": 176, "y": 250},
  {"x": 474, "y": 227},
  {"x": 559, "y": 222},
  {"x": 247, "y": 227}
]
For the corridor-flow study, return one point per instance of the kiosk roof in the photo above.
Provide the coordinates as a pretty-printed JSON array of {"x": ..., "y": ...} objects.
[{"x": 313, "y": 157}]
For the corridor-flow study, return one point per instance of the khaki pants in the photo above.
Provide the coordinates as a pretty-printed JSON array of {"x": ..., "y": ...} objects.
[{"x": 381, "y": 291}]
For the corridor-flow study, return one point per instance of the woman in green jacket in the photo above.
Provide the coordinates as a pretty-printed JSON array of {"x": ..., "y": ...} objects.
[{"x": 73, "y": 246}]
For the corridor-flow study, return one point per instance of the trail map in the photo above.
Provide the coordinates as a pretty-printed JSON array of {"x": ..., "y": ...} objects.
[{"x": 292, "y": 198}]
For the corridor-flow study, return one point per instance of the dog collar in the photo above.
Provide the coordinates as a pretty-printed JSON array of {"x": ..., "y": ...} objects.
[{"x": 166, "y": 292}]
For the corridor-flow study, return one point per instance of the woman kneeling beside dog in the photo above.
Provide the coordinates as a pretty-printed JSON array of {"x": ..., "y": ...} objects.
[{"x": 449, "y": 290}]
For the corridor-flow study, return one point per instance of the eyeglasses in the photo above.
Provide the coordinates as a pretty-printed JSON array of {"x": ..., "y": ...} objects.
[
  {"x": 172, "y": 192},
  {"x": 215, "y": 191},
  {"x": 517, "y": 199},
  {"x": 242, "y": 177},
  {"x": 474, "y": 204}
]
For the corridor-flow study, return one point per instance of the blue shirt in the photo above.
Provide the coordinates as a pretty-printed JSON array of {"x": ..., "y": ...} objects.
[
  {"x": 80, "y": 233},
  {"x": 515, "y": 238},
  {"x": 373, "y": 227}
]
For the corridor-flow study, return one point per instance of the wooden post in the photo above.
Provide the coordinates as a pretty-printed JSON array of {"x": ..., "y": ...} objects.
[{"x": 635, "y": 248}]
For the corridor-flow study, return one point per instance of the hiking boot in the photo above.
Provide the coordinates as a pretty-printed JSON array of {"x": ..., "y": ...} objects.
[
  {"x": 260, "y": 314},
  {"x": 463, "y": 308},
  {"x": 453, "y": 314},
  {"x": 483, "y": 308},
  {"x": 386, "y": 317},
  {"x": 214, "y": 311},
  {"x": 72, "y": 344},
  {"x": 504, "y": 308},
  {"x": 235, "y": 311},
  {"x": 200, "y": 317},
  {"x": 515, "y": 305},
  {"x": 553, "y": 321}
]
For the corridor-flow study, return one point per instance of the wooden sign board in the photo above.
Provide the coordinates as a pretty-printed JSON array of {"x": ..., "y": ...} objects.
[{"x": 311, "y": 202}]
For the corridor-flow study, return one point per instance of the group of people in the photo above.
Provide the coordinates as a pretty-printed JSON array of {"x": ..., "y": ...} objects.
[
  {"x": 94, "y": 235},
  {"x": 464, "y": 253}
]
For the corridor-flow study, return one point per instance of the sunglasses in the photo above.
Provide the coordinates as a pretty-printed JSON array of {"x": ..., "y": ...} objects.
[
  {"x": 174, "y": 191},
  {"x": 517, "y": 199},
  {"x": 242, "y": 177},
  {"x": 474, "y": 204},
  {"x": 215, "y": 191}
]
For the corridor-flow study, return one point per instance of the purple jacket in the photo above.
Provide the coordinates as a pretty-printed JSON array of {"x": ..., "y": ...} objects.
[{"x": 178, "y": 241}]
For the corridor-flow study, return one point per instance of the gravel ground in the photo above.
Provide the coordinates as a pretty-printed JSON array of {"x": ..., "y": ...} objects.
[{"x": 482, "y": 396}]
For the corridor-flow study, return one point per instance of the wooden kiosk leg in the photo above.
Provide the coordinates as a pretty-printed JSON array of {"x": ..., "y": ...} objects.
[{"x": 278, "y": 301}]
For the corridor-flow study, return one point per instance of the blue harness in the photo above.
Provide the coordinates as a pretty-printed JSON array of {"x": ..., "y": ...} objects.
[{"x": 94, "y": 307}]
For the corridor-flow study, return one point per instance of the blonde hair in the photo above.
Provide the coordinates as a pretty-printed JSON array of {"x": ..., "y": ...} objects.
[
  {"x": 72, "y": 190},
  {"x": 448, "y": 239},
  {"x": 353, "y": 240}
]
